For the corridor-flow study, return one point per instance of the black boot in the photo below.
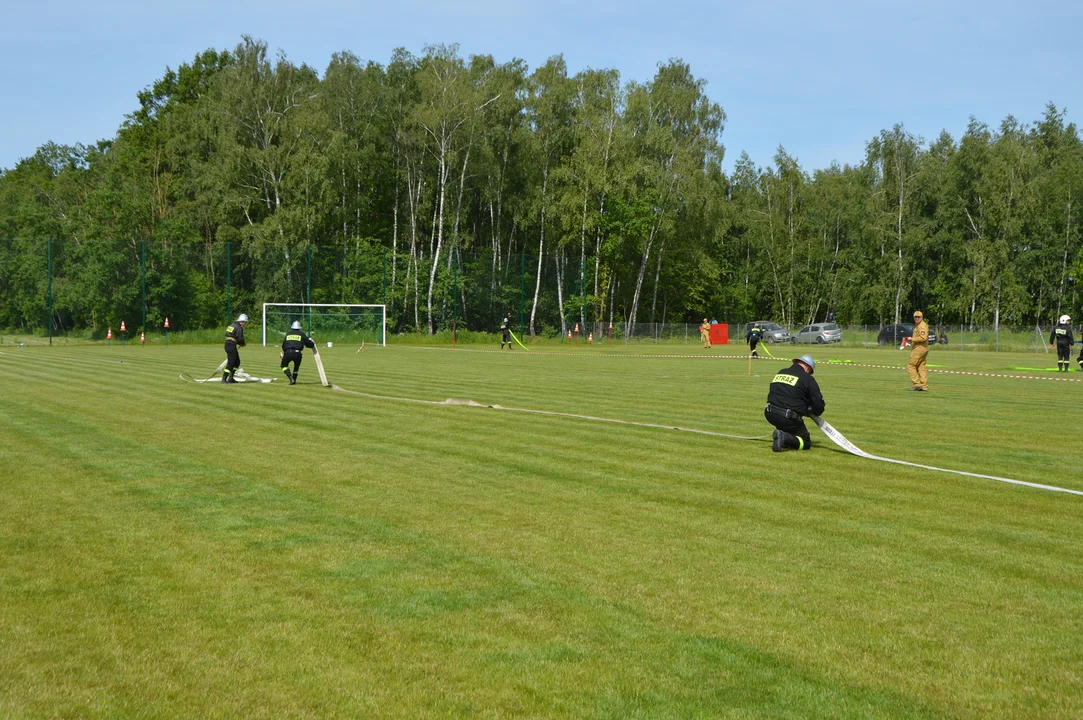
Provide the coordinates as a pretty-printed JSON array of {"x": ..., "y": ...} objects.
[
  {"x": 288, "y": 376},
  {"x": 231, "y": 379},
  {"x": 225, "y": 377},
  {"x": 293, "y": 379},
  {"x": 786, "y": 441}
]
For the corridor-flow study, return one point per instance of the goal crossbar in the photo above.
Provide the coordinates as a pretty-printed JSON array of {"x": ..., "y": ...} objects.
[{"x": 303, "y": 309}]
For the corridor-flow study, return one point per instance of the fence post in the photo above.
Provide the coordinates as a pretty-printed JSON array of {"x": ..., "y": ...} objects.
[
  {"x": 143, "y": 273},
  {"x": 454, "y": 297},
  {"x": 308, "y": 284},
  {"x": 583, "y": 281},
  {"x": 50, "y": 271},
  {"x": 229, "y": 283}
]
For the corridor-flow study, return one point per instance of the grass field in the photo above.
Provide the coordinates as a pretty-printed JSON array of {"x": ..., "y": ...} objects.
[{"x": 170, "y": 549}]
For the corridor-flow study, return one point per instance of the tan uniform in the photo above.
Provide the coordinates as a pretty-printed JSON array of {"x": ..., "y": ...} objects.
[
  {"x": 705, "y": 334},
  {"x": 918, "y": 350}
]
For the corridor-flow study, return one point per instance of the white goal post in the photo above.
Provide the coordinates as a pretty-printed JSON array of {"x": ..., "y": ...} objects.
[{"x": 336, "y": 321}]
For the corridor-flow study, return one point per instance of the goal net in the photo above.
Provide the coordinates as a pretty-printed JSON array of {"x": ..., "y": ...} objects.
[{"x": 328, "y": 321}]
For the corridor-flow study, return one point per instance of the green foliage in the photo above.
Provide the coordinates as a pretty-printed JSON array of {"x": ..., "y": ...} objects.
[{"x": 375, "y": 182}]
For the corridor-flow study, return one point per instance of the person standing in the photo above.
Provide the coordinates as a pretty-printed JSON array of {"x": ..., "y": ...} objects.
[
  {"x": 1064, "y": 340},
  {"x": 505, "y": 332},
  {"x": 295, "y": 342},
  {"x": 705, "y": 333},
  {"x": 919, "y": 349},
  {"x": 753, "y": 338},
  {"x": 793, "y": 394},
  {"x": 234, "y": 340}
]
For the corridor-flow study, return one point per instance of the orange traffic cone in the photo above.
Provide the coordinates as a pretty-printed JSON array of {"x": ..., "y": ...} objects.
[
  {"x": 143, "y": 337},
  {"x": 590, "y": 338}
]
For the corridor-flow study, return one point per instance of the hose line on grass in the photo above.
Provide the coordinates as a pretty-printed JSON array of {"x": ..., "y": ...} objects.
[
  {"x": 840, "y": 440},
  {"x": 472, "y": 403},
  {"x": 834, "y": 435}
]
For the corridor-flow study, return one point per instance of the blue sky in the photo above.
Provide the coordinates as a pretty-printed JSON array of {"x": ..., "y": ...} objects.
[{"x": 819, "y": 78}]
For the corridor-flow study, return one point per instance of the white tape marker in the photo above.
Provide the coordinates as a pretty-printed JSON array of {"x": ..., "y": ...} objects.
[{"x": 840, "y": 440}]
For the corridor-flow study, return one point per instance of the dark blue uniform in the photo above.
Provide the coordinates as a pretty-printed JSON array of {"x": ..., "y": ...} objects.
[
  {"x": 234, "y": 340},
  {"x": 794, "y": 393},
  {"x": 295, "y": 342},
  {"x": 1064, "y": 340},
  {"x": 505, "y": 333},
  {"x": 753, "y": 337}
]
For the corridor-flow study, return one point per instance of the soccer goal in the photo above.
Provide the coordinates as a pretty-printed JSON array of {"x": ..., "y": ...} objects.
[{"x": 326, "y": 321}]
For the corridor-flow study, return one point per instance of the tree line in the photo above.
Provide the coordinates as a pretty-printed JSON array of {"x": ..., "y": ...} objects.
[{"x": 446, "y": 176}]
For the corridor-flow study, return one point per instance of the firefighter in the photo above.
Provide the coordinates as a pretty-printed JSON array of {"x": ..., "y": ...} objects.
[
  {"x": 1064, "y": 340},
  {"x": 793, "y": 394},
  {"x": 505, "y": 332},
  {"x": 919, "y": 349},
  {"x": 295, "y": 342},
  {"x": 753, "y": 338},
  {"x": 234, "y": 340},
  {"x": 705, "y": 333}
]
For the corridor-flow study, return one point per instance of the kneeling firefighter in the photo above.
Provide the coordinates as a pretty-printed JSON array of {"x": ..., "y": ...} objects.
[
  {"x": 794, "y": 393},
  {"x": 295, "y": 342}
]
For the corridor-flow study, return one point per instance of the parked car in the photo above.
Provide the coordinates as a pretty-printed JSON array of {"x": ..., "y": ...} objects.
[
  {"x": 894, "y": 334},
  {"x": 820, "y": 333},
  {"x": 772, "y": 332}
]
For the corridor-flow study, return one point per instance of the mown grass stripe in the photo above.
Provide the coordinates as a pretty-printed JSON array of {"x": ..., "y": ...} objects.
[{"x": 174, "y": 549}]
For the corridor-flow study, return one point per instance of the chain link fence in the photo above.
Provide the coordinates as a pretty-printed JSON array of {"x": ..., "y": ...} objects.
[{"x": 957, "y": 338}]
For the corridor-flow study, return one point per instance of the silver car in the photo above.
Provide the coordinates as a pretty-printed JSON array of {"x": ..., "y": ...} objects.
[
  {"x": 820, "y": 333},
  {"x": 772, "y": 332}
]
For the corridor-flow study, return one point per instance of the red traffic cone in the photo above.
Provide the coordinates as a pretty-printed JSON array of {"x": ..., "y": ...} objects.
[
  {"x": 569, "y": 334},
  {"x": 142, "y": 337},
  {"x": 122, "y": 328},
  {"x": 167, "y": 323},
  {"x": 109, "y": 334},
  {"x": 590, "y": 338}
]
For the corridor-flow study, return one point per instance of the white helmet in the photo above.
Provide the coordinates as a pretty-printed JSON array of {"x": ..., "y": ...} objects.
[
  {"x": 296, "y": 325},
  {"x": 242, "y": 318},
  {"x": 1064, "y": 319}
]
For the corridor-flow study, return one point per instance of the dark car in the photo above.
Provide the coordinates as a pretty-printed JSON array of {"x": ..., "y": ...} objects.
[{"x": 894, "y": 334}]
